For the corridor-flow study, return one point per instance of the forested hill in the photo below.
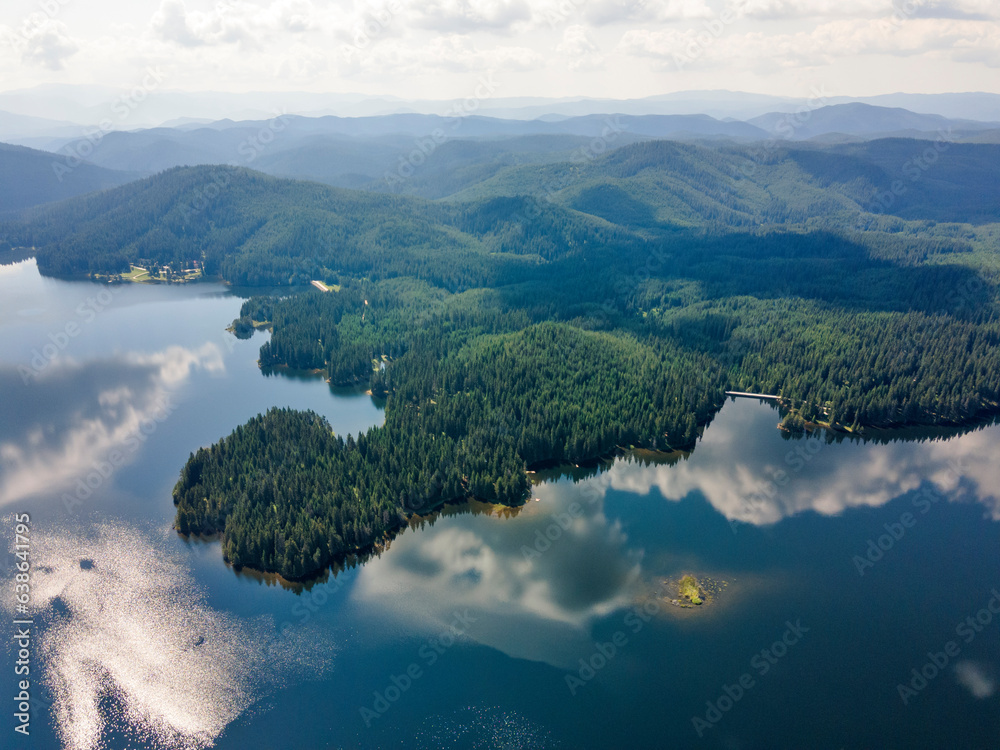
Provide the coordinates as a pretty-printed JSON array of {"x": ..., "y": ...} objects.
[
  {"x": 245, "y": 226},
  {"x": 563, "y": 312},
  {"x": 574, "y": 363},
  {"x": 252, "y": 229},
  {"x": 603, "y": 342},
  {"x": 664, "y": 182}
]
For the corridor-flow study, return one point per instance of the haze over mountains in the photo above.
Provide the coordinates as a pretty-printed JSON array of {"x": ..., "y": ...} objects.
[
  {"x": 85, "y": 106},
  {"x": 28, "y": 179},
  {"x": 436, "y": 156}
]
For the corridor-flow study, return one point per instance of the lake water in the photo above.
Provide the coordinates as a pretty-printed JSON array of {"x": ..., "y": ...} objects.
[{"x": 841, "y": 567}]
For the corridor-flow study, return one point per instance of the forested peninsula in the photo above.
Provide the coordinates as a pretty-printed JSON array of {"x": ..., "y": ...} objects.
[{"x": 554, "y": 314}]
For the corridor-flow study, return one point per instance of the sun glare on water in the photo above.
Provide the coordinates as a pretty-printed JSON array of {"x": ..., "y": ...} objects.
[{"x": 127, "y": 627}]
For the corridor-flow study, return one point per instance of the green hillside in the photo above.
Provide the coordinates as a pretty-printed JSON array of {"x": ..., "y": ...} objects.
[
  {"x": 562, "y": 312},
  {"x": 252, "y": 229},
  {"x": 666, "y": 183}
]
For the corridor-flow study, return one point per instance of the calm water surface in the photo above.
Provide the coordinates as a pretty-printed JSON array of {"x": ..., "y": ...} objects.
[{"x": 841, "y": 566}]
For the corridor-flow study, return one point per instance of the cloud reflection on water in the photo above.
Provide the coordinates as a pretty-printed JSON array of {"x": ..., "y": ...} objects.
[
  {"x": 532, "y": 602},
  {"x": 750, "y": 474},
  {"x": 975, "y": 678},
  {"x": 55, "y": 428},
  {"x": 541, "y": 606}
]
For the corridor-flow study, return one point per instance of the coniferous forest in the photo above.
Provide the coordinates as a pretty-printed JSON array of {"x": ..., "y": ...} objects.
[{"x": 515, "y": 325}]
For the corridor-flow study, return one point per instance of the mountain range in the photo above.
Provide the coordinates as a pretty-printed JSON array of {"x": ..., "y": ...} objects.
[
  {"x": 435, "y": 155},
  {"x": 88, "y": 104}
]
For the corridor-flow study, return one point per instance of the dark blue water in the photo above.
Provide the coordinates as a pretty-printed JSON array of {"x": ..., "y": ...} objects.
[{"x": 846, "y": 565}]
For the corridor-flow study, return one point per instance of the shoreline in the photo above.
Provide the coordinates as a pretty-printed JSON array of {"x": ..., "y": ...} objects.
[{"x": 593, "y": 465}]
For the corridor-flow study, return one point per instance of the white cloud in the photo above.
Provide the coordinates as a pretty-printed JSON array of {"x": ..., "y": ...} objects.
[
  {"x": 302, "y": 63},
  {"x": 456, "y": 16},
  {"x": 580, "y": 48},
  {"x": 44, "y": 42},
  {"x": 973, "y": 9},
  {"x": 171, "y": 23},
  {"x": 963, "y": 40},
  {"x": 232, "y": 22},
  {"x": 539, "y": 47},
  {"x": 819, "y": 477},
  {"x": 740, "y": 490},
  {"x": 782, "y": 9},
  {"x": 293, "y": 15},
  {"x": 900, "y": 10},
  {"x": 455, "y": 53},
  {"x": 600, "y": 12},
  {"x": 175, "y": 24}
]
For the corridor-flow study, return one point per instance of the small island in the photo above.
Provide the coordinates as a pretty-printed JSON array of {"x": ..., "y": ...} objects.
[
  {"x": 690, "y": 592},
  {"x": 688, "y": 589}
]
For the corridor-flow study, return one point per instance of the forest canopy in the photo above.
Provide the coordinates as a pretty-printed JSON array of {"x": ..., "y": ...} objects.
[{"x": 521, "y": 324}]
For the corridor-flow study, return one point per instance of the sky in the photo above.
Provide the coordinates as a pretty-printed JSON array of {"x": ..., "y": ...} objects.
[{"x": 442, "y": 49}]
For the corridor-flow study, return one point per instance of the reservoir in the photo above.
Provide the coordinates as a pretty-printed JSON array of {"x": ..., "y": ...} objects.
[{"x": 854, "y": 583}]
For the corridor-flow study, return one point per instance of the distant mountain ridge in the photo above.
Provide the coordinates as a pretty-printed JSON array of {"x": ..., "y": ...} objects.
[
  {"x": 358, "y": 152},
  {"x": 14, "y": 125},
  {"x": 256, "y": 221},
  {"x": 87, "y": 105},
  {"x": 29, "y": 178},
  {"x": 717, "y": 179},
  {"x": 663, "y": 183},
  {"x": 860, "y": 119},
  {"x": 374, "y": 143}
]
